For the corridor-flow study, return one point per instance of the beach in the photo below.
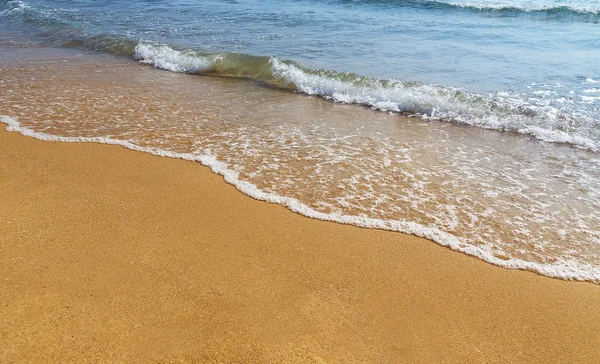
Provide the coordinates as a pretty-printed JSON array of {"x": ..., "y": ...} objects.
[
  {"x": 111, "y": 255},
  {"x": 304, "y": 181}
]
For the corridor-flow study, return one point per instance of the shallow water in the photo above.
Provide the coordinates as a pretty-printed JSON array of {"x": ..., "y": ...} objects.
[
  {"x": 532, "y": 67},
  {"x": 510, "y": 200}
]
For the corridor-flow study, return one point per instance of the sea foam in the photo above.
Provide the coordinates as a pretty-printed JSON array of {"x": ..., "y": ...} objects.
[
  {"x": 162, "y": 56},
  {"x": 15, "y": 6},
  {"x": 576, "y": 6},
  {"x": 550, "y": 123}
]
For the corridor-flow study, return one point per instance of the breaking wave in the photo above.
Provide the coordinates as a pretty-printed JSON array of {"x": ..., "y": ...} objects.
[{"x": 428, "y": 101}]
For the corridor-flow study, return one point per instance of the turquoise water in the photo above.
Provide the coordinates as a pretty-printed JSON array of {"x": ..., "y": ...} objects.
[{"x": 524, "y": 194}]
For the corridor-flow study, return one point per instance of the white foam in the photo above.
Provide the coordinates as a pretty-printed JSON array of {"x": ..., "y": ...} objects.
[
  {"x": 556, "y": 136},
  {"x": 545, "y": 92},
  {"x": 586, "y": 6},
  {"x": 566, "y": 269},
  {"x": 442, "y": 103},
  {"x": 589, "y": 99},
  {"x": 537, "y": 117},
  {"x": 422, "y": 99},
  {"x": 162, "y": 56},
  {"x": 15, "y": 6}
]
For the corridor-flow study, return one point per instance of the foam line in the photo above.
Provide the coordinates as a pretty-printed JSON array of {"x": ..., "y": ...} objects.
[
  {"x": 578, "y": 7},
  {"x": 567, "y": 270}
]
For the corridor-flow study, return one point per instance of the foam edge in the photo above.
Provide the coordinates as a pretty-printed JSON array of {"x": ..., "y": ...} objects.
[{"x": 565, "y": 270}]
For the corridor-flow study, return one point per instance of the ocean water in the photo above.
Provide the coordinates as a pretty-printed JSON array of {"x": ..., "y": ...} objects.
[{"x": 473, "y": 123}]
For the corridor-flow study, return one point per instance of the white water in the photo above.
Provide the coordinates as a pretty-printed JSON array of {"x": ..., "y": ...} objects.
[
  {"x": 162, "y": 56},
  {"x": 582, "y": 6},
  {"x": 541, "y": 114}
]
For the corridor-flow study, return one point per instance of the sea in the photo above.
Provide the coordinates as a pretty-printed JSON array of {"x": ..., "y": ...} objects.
[{"x": 472, "y": 123}]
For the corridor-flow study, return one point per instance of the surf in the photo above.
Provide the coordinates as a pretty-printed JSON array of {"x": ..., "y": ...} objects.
[{"x": 430, "y": 102}]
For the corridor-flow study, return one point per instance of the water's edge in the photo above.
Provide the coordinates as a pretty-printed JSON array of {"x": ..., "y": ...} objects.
[{"x": 566, "y": 271}]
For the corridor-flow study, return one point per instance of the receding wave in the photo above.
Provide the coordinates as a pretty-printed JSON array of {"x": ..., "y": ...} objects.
[{"x": 563, "y": 269}]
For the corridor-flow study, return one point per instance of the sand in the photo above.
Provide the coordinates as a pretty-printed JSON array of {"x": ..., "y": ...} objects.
[{"x": 118, "y": 256}]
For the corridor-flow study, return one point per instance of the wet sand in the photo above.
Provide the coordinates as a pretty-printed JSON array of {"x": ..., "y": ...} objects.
[{"x": 112, "y": 255}]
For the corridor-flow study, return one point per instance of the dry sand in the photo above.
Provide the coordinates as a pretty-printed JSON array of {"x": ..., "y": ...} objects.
[{"x": 112, "y": 255}]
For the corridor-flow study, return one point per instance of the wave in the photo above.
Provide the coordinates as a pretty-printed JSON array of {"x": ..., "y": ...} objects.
[
  {"x": 550, "y": 7},
  {"x": 551, "y": 123},
  {"x": 586, "y": 10},
  {"x": 513, "y": 113},
  {"x": 580, "y": 10},
  {"x": 431, "y": 102},
  {"x": 566, "y": 269},
  {"x": 13, "y": 6}
]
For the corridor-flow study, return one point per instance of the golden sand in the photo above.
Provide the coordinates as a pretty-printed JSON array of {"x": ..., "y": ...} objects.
[
  {"x": 333, "y": 158},
  {"x": 112, "y": 255}
]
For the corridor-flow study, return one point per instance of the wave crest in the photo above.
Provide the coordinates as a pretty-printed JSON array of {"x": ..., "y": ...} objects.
[
  {"x": 167, "y": 58},
  {"x": 431, "y": 102},
  {"x": 589, "y": 7}
]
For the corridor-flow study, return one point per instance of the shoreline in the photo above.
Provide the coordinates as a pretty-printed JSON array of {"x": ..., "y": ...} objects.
[
  {"x": 561, "y": 271},
  {"x": 159, "y": 128},
  {"x": 115, "y": 255}
]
